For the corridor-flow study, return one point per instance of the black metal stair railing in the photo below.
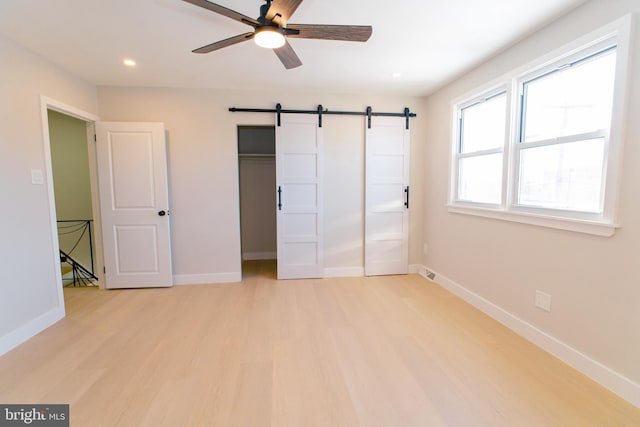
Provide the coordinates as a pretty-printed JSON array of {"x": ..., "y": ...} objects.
[
  {"x": 80, "y": 275},
  {"x": 76, "y": 235}
]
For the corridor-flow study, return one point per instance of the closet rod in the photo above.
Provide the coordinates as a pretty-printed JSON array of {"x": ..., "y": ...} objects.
[{"x": 321, "y": 111}]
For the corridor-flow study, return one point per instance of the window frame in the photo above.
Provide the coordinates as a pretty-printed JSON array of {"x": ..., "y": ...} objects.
[
  {"x": 520, "y": 144},
  {"x": 485, "y": 96},
  {"x": 615, "y": 34}
]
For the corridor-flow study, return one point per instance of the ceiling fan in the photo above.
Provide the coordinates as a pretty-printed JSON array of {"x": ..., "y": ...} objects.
[{"x": 271, "y": 29}]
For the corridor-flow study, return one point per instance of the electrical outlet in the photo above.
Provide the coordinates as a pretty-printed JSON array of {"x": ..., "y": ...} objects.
[{"x": 543, "y": 301}]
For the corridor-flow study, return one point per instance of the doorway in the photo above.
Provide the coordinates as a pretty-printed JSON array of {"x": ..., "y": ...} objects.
[
  {"x": 73, "y": 199},
  {"x": 257, "y": 182},
  {"x": 46, "y": 105}
]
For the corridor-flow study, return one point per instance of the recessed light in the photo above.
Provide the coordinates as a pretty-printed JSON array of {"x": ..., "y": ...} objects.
[
  {"x": 396, "y": 75},
  {"x": 129, "y": 62}
]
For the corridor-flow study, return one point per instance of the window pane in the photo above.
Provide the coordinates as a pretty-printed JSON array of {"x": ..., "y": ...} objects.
[
  {"x": 563, "y": 176},
  {"x": 483, "y": 125},
  {"x": 570, "y": 101},
  {"x": 480, "y": 179}
]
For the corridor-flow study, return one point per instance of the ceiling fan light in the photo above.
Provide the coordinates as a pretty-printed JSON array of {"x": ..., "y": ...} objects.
[{"x": 269, "y": 37}]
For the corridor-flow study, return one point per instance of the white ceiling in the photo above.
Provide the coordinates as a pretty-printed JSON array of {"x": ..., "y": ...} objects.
[{"x": 426, "y": 42}]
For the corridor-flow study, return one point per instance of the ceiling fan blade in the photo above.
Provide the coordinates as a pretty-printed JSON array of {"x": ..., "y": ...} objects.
[
  {"x": 225, "y": 12},
  {"x": 288, "y": 56},
  {"x": 284, "y": 8},
  {"x": 352, "y": 33},
  {"x": 224, "y": 43}
]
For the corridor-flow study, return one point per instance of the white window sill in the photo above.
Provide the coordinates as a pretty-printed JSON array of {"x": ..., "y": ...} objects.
[{"x": 597, "y": 228}]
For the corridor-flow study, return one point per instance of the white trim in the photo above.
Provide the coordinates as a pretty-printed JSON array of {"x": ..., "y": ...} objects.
[
  {"x": 95, "y": 206},
  {"x": 605, "y": 376},
  {"x": 503, "y": 89},
  {"x": 69, "y": 110},
  {"x": 359, "y": 271},
  {"x": 569, "y": 224},
  {"x": 597, "y": 134},
  {"x": 616, "y": 33},
  {"x": 250, "y": 256},
  {"x": 344, "y": 272},
  {"x": 619, "y": 114},
  {"x": 480, "y": 153},
  {"x": 30, "y": 329},
  {"x": 205, "y": 279},
  {"x": 46, "y": 104}
]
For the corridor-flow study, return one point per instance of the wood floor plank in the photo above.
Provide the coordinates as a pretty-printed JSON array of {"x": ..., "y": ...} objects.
[{"x": 379, "y": 351}]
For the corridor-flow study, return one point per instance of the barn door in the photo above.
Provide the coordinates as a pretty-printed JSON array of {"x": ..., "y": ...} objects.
[
  {"x": 387, "y": 197},
  {"x": 134, "y": 204},
  {"x": 299, "y": 197}
]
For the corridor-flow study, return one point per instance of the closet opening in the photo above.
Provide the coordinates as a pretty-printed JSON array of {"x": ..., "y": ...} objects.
[{"x": 257, "y": 184}]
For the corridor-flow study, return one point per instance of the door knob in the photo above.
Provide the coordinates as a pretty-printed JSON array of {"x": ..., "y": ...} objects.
[{"x": 162, "y": 213}]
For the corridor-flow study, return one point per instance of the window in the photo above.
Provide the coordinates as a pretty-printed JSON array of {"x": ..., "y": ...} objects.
[
  {"x": 565, "y": 121},
  {"x": 549, "y": 154},
  {"x": 480, "y": 144}
]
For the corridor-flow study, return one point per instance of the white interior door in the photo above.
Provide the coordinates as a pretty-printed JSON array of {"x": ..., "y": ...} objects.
[
  {"x": 299, "y": 197},
  {"x": 134, "y": 204},
  {"x": 387, "y": 197}
]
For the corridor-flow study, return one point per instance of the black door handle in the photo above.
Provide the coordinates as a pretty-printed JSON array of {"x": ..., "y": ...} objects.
[
  {"x": 279, "y": 198},
  {"x": 406, "y": 191},
  {"x": 162, "y": 213}
]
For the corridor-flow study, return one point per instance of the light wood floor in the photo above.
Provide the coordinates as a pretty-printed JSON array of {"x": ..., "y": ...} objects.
[{"x": 384, "y": 351}]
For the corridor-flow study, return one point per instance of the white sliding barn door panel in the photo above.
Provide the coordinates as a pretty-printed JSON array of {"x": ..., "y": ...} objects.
[
  {"x": 299, "y": 197},
  {"x": 134, "y": 204},
  {"x": 387, "y": 197}
]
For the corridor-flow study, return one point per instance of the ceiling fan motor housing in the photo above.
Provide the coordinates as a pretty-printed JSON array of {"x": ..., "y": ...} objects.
[{"x": 263, "y": 13}]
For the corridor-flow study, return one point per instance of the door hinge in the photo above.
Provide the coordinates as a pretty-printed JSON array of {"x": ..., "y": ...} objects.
[
  {"x": 104, "y": 270},
  {"x": 95, "y": 139}
]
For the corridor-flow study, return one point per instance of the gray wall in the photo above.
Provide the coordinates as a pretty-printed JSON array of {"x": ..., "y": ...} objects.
[
  {"x": 203, "y": 170},
  {"x": 29, "y": 297},
  {"x": 258, "y": 208},
  {"x": 593, "y": 280},
  {"x": 257, "y": 169},
  {"x": 71, "y": 182}
]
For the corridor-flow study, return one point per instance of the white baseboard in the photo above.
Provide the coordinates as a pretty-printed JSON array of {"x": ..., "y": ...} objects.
[
  {"x": 204, "y": 279},
  {"x": 605, "y": 376},
  {"x": 251, "y": 256},
  {"x": 344, "y": 272},
  {"x": 359, "y": 271},
  {"x": 30, "y": 329}
]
